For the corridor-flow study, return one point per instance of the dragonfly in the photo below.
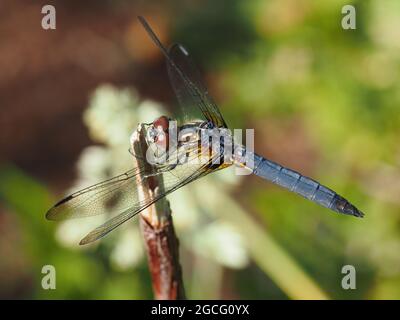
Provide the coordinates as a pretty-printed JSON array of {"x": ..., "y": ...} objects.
[{"x": 122, "y": 190}]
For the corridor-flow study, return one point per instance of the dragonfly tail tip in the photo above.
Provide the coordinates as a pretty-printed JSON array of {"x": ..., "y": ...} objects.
[
  {"x": 341, "y": 205},
  {"x": 359, "y": 214},
  {"x": 352, "y": 210}
]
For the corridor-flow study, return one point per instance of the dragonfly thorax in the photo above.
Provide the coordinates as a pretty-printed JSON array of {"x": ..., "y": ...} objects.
[{"x": 169, "y": 144}]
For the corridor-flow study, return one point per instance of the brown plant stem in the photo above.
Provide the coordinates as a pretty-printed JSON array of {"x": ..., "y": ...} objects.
[{"x": 162, "y": 245}]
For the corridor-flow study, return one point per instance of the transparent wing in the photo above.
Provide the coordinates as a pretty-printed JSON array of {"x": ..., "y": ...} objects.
[
  {"x": 120, "y": 195},
  {"x": 173, "y": 180},
  {"x": 185, "y": 80},
  {"x": 117, "y": 193},
  {"x": 190, "y": 91}
]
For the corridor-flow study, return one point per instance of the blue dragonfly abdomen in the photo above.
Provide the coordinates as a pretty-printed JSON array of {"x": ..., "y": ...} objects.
[{"x": 295, "y": 182}]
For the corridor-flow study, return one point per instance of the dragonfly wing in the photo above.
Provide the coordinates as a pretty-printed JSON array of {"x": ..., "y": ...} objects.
[
  {"x": 172, "y": 180},
  {"x": 116, "y": 194},
  {"x": 185, "y": 79},
  {"x": 120, "y": 195},
  {"x": 190, "y": 90}
]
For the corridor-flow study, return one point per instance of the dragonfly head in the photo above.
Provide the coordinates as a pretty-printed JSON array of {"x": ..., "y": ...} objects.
[{"x": 161, "y": 123}]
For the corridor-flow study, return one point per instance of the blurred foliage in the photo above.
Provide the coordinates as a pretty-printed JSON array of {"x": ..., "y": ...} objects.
[{"x": 269, "y": 63}]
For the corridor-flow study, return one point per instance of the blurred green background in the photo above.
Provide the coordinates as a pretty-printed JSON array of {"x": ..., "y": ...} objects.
[{"x": 322, "y": 100}]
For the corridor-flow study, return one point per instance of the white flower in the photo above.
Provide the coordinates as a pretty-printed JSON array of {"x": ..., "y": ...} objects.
[{"x": 221, "y": 242}]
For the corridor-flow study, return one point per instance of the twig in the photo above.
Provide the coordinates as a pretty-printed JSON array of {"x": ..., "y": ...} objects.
[{"x": 161, "y": 243}]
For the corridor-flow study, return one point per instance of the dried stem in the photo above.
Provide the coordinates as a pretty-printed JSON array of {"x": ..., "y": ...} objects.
[{"x": 161, "y": 243}]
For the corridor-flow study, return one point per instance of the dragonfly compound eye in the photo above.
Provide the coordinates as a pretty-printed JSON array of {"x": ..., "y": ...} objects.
[
  {"x": 160, "y": 127},
  {"x": 161, "y": 123}
]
